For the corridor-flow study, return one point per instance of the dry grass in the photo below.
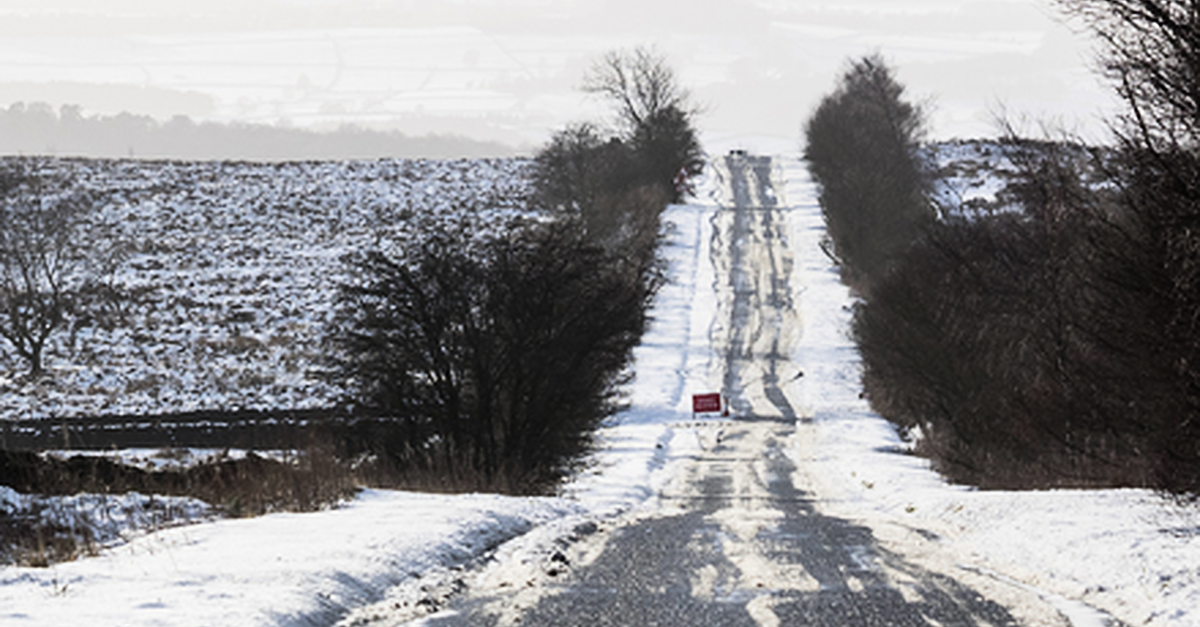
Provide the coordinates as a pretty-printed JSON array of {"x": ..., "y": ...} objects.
[
  {"x": 311, "y": 480},
  {"x": 314, "y": 478}
]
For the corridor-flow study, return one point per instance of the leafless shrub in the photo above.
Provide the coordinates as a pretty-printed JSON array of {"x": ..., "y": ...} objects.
[
  {"x": 1012, "y": 342},
  {"x": 497, "y": 364}
]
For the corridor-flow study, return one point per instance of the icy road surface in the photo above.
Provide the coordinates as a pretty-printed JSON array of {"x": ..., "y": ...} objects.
[{"x": 739, "y": 537}]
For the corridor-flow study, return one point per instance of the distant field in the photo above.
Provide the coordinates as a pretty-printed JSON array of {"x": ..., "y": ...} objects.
[{"x": 232, "y": 275}]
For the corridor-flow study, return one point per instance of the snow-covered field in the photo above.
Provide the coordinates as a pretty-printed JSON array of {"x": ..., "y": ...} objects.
[
  {"x": 1124, "y": 551},
  {"x": 231, "y": 275}
]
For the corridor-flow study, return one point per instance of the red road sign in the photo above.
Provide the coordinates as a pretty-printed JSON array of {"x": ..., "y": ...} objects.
[{"x": 705, "y": 403}]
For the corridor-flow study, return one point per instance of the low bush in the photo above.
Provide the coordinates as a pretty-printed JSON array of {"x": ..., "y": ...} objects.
[
  {"x": 66, "y": 504},
  {"x": 313, "y": 479}
]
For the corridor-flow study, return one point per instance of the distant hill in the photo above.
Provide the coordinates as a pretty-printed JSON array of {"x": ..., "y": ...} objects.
[{"x": 36, "y": 129}]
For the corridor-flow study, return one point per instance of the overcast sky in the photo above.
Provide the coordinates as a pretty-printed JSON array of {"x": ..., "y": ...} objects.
[{"x": 508, "y": 69}]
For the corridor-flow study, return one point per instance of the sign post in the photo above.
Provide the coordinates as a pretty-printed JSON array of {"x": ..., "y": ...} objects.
[{"x": 710, "y": 403}]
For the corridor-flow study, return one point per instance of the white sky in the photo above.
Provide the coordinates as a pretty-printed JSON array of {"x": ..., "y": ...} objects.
[{"x": 507, "y": 69}]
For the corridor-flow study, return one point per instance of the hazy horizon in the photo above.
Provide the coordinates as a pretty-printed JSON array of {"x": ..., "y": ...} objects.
[{"x": 507, "y": 70}]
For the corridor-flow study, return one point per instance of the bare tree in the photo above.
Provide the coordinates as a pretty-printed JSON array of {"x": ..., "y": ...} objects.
[
  {"x": 641, "y": 85},
  {"x": 1151, "y": 53},
  {"x": 654, "y": 116},
  {"x": 40, "y": 251},
  {"x": 1150, "y": 50}
]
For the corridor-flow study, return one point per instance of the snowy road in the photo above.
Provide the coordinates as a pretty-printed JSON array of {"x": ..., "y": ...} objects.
[
  {"x": 801, "y": 509},
  {"x": 739, "y": 539}
]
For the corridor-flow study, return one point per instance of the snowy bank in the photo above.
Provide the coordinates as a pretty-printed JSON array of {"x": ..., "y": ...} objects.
[{"x": 281, "y": 569}]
